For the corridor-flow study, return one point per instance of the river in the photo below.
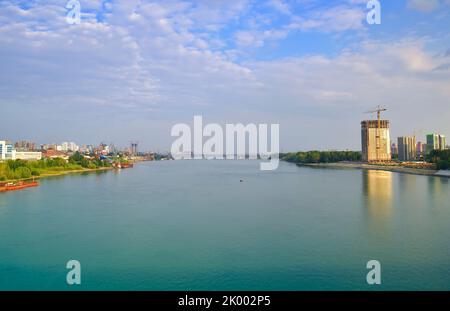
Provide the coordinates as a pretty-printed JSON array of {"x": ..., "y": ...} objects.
[{"x": 226, "y": 225}]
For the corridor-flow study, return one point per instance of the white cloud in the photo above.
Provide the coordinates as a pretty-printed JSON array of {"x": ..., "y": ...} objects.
[
  {"x": 333, "y": 93},
  {"x": 280, "y": 6},
  {"x": 423, "y": 5},
  {"x": 257, "y": 38},
  {"x": 247, "y": 38},
  {"x": 150, "y": 61},
  {"x": 334, "y": 19}
]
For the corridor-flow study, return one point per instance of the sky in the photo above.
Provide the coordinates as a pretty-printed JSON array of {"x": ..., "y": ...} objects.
[{"x": 131, "y": 69}]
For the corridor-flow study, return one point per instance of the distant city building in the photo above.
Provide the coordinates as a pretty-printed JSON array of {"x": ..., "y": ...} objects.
[
  {"x": 442, "y": 142},
  {"x": 394, "y": 149},
  {"x": 51, "y": 147},
  {"x": 27, "y": 155},
  {"x": 432, "y": 142},
  {"x": 102, "y": 149},
  {"x": 407, "y": 148},
  {"x": 421, "y": 149},
  {"x": 376, "y": 142},
  {"x": 69, "y": 147},
  {"x": 45, "y": 147},
  {"x": 53, "y": 154},
  {"x": 112, "y": 148},
  {"x": 435, "y": 142},
  {"x": 134, "y": 148},
  {"x": 24, "y": 146},
  {"x": 73, "y": 147},
  {"x": 87, "y": 149},
  {"x": 6, "y": 150},
  {"x": 83, "y": 149}
]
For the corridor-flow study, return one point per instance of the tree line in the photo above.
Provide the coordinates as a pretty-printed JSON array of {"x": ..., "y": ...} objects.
[
  {"x": 20, "y": 169},
  {"x": 441, "y": 158},
  {"x": 321, "y": 156}
]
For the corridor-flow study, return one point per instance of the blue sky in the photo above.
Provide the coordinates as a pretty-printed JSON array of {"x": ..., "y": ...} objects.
[{"x": 131, "y": 69}]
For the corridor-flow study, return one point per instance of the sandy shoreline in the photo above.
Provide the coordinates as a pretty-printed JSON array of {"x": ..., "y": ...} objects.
[{"x": 365, "y": 166}]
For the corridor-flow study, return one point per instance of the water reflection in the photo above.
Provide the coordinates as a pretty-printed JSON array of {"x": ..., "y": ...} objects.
[
  {"x": 437, "y": 194},
  {"x": 378, "y": 196}
]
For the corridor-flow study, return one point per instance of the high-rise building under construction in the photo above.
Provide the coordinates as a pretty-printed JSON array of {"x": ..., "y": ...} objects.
[{"x": 376, "y": 141}]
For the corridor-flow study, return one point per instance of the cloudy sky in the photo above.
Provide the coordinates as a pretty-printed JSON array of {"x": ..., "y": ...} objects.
[{"x": 133, "y": 68}]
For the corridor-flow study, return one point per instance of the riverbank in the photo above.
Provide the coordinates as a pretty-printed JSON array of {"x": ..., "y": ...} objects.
[
  {"x": 61, "y": 173},
  {"x": 85, "y": 170},
  {"x": 366, "y": 166}
]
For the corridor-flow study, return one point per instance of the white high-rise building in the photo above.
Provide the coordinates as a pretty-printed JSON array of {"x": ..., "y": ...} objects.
[
  {"x": 6, "y": 150},
  {"x": 407, "y": 148},
  {"x": 69, "y": 146},
  {"x": 65, "y": 146}
]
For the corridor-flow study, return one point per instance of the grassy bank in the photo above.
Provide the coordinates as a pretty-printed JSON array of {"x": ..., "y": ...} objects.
[
  {"x": 56, "y": 173},
  {"x": 81, "y": 170},
  {"x": 25, "y": 170}
]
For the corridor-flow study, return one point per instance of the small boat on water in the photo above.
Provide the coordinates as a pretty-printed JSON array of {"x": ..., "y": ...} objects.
[
  {"x": 122, "y": 165},
  {"x": 127, "y": 165},
  {"x": 13, "y": 186}
]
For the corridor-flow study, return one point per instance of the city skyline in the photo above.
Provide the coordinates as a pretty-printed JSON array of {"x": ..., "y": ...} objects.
[
  {"x": 420, "y": 143},
  {"x": 132, "y": 69}
]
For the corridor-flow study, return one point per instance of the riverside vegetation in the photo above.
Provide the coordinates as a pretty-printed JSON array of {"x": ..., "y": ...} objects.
[
  {"x": 321, "y": 156},
  {"x": 441, "y": 158},
  {"x": 20, "y": 169}
]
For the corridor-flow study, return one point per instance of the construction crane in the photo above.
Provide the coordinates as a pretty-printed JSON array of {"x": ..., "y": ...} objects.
[{"x": 378, "y": 110}]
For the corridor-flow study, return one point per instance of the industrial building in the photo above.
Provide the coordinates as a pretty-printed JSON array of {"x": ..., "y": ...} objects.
[{"x": 134, "y": 148}]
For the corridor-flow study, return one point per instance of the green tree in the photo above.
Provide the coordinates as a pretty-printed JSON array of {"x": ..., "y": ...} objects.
[
  {"x": 22, "y": 172},
  {"x": 77, "y": 157}
]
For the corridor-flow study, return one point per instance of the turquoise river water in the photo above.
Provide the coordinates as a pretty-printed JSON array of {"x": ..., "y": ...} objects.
[{"x": 192, "y": 225}]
